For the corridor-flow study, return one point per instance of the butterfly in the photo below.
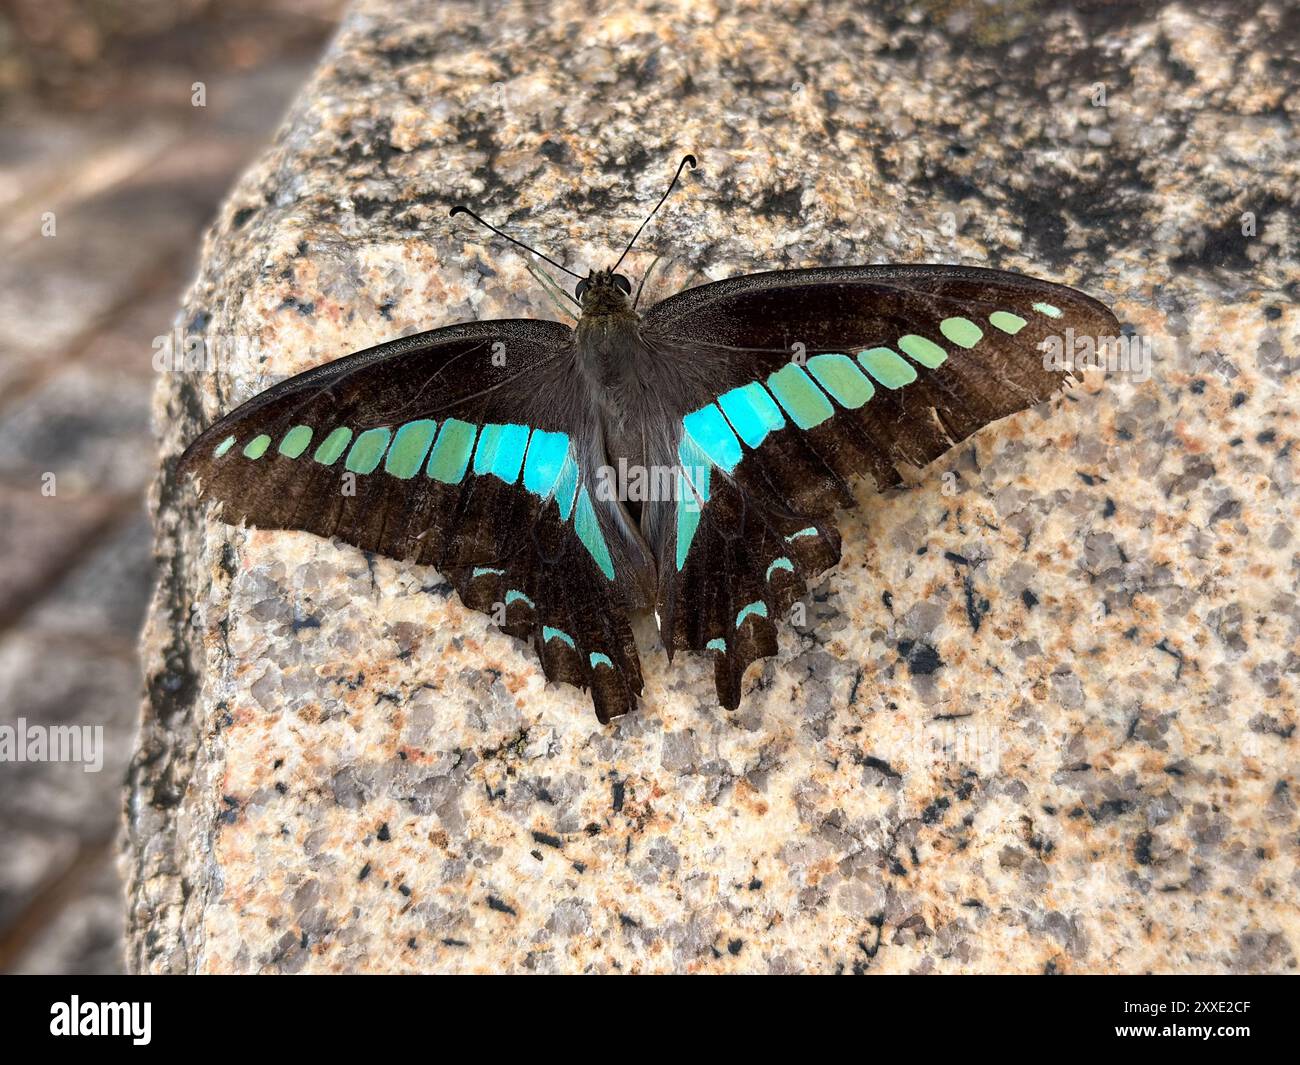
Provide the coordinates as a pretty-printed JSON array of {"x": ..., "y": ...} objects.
[{"x": 688, "y": 459}]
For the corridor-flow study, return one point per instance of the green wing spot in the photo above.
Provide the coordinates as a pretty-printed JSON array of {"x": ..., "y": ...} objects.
[
  {"x": 848, "y": 385},
  {"x": 1048, "y": 309},
  {"x": 1007, "y": 322},
  {"x": 295, "y": 441},
  {"x": 256, "y": 447},
  {"x": 410, "y": 445},
  {"x": 961, "y": 331},
  {"x": 368, "y": 450},
  {"x": 482, "y": 571},
  {"x": 449, "y": 458},
  {"x": 224, "y": 446},
  {"x": 887, "y": 367},
  {"x": 598, "y": 659},
  {"x": 549, "y": 633},
  {"x": 758, "y": 608},
  {"x": 806, "y": 404},
  {"x": 587, "y": 526},
  {"x": 924, "y": 351},
  {"x": 333, "y": 446}
]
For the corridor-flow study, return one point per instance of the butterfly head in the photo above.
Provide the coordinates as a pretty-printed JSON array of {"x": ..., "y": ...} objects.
[{"x": 602, "y": 292}]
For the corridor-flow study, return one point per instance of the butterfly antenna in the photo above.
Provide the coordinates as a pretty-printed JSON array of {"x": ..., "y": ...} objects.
[
  {"x": 672, "y": 185},
  {"x": 552, "y": 290},
  {"x": 462, "y": 209}
]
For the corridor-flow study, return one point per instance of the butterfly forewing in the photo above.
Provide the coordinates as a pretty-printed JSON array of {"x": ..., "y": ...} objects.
[
  {"x": 469, "y": 448},
  {"x": 806, "y": 379}
]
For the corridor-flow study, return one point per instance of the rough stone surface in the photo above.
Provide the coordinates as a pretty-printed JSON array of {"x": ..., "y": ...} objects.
[{"x": 1041, "y": 717}]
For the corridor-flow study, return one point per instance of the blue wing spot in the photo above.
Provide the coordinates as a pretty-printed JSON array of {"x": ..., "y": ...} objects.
[
  {"x": 717, "y": 644},
  {"x": 516, "y": 596},
  {"x": 483, "y": 571},
  {"x": 549, "y": 634},
  {"x": 500, "y": 451},
  {"x": 566, "y": 489},
  {"x": 691, "y": 496},
  {"x": 709, "y": 429},
  {"x": 757, "y": 608},
  {"x": 547, "y": 453},
  {"x": 752, "y": 412},
  {"x": 598, "y": 659},
  {"x": 780, "y": 563},
  {"x": 810, "y": 531}
]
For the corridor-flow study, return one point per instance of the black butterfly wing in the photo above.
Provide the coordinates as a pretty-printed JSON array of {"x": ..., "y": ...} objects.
[
  {"x": 805, "y": 379},
  {"x": 472, "y": 449}
]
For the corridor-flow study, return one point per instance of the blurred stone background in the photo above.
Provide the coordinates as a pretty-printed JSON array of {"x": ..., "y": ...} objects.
[{"x": 97, "y": 125}]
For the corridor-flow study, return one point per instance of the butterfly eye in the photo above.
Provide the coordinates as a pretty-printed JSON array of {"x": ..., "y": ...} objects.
[
  {"x": 581, "y": 288},
  {"x": 623, "y": 283}
]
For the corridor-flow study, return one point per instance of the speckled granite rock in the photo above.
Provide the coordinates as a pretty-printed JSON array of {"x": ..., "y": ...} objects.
[{"x": 1041, "y": 718}]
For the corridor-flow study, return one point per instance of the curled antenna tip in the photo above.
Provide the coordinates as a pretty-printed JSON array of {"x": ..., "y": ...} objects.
[
  {"x": 460, "y": 208},
  {"x": 671, "y": 185}
]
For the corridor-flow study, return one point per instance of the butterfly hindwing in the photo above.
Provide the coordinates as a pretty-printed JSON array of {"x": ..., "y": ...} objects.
[
  {"x": 468, "y": 448},
  {"x": 805, "y": 379}
]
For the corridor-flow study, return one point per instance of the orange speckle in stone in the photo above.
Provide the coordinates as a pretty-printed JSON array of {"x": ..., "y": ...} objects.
[
  {"x": 413, "y": 754},
  {"x": 749, "y": 797},
  {"x": 1193, "y": 441},
  {"x": 818, "y": 870}
]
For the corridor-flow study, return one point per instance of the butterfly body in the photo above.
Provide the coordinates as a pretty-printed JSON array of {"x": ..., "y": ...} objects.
[{"x": 743, "y": 410}]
